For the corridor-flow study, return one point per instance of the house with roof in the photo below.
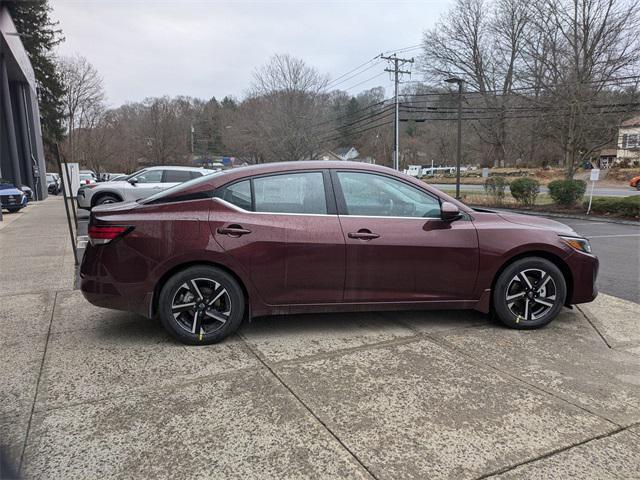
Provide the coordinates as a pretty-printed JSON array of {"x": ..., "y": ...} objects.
[
  {"x": 629, "y": 141},
  {"x": 345, "y": 154}
]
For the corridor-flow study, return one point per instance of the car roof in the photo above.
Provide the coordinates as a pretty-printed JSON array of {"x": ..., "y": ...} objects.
[
  {"x": 308, "y": 165},
  {"x": 177, "y": 167}
]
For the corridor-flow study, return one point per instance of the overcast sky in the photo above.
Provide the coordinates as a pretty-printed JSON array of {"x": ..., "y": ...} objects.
[{"x": 209, "y": 48}]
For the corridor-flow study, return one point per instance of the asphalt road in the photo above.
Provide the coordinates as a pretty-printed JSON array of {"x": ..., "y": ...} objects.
[
  {"x": 618, "y": 248},
  {"x": 598, "y": 191}
]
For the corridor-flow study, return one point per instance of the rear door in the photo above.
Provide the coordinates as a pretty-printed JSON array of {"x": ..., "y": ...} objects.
[
  {"x": 284, "y": 230},
  {"x": 398, "y": 249}
]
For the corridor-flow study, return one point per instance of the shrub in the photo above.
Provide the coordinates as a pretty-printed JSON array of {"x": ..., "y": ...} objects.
[
  {"x": 525, "y": 191},
  {"x": 625, "y": 206},
  {"x": 567, "y": 192},
  {"x": 496, "y": 187}
]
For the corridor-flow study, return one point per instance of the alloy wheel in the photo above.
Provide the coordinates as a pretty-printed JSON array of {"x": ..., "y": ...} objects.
[
  {"x": 531, "y": 294},
  {"x": 201, "y": 306}
]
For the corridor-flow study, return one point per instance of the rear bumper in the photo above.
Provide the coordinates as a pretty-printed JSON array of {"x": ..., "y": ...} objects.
[
  {"x": 109, "y": 289},
  {"x": 584, "y": 271}
]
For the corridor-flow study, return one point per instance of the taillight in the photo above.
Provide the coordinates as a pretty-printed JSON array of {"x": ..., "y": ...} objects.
[{"x": 102, "y": 235}]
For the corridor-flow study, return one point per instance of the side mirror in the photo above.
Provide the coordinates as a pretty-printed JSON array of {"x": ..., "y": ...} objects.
[
  {"x": 132, "y": 181},
  {"x": 449, "y": 212}
]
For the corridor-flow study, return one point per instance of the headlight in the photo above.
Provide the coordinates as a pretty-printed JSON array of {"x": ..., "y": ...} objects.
[{"x": 577, "y": 243}]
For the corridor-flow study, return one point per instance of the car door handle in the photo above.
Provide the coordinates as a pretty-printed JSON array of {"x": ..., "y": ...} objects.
[
  {"x": 233, "y": 231},
  {"x": 363, "y": 234}
]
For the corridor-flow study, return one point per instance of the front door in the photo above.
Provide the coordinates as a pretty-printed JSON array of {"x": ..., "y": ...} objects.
[
  {"x": 398, "y": 249},
  {"x": 146, "y": 184},
  {"x": 284, "y": 230}
]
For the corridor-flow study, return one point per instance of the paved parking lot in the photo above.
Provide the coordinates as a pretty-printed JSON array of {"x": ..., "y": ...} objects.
[{"x": 92, "y": 393}]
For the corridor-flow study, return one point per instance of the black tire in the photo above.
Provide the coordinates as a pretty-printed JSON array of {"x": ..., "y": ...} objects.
[
  {"x": 14, "y": 210},
  {"x": 516, "y": 299},
  {"x": 179, "y": 288},
  {"x": 107, "y": 198},
  {"x": 638, "y": 185}
]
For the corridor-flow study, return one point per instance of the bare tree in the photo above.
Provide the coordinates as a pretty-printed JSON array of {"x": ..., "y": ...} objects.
[
  {"x": 480, "y": 42},
  {"x": 84, "y": 95},
  {"x": 287, "y": 98},
  {"x": 580, "y": 49}
]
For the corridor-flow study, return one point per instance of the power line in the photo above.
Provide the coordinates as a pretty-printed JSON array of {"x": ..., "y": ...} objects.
[
  {"x": 359, "y": 120},
  {"x": 368, "y": 107},
  {"x": 333, "y": 87},
  {"x": 621, "y": 80},
  {"x": 364, "y": 81},
  {"x": 511, "y": 117},
  {"x": 358, "y": 132},
  {"x": 329, "y": 85}
]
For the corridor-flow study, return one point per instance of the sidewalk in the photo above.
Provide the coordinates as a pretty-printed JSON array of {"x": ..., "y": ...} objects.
[{"x": 91, "y": 393}]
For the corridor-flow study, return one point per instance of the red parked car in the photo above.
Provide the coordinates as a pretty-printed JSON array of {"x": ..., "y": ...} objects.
[{"x": 325, "y": 237}]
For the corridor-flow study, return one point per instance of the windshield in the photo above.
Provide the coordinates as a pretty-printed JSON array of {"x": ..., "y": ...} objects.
[{"x": 178, "y": 188}]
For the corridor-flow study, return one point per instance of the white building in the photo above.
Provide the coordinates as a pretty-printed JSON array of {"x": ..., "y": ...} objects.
[{"x": 629, "y": 141}]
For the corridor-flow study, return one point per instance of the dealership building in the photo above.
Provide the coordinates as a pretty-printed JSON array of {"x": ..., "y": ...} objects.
[{"x": 21, "y": 150}]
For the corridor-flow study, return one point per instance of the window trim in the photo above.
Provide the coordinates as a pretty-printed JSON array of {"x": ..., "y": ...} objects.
[
  {"x": 342, "y": 203},
  {"x": 326, "y": 180}
]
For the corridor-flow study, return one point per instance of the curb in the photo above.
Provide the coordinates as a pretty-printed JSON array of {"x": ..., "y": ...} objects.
[{"x": 562, "y": 215}]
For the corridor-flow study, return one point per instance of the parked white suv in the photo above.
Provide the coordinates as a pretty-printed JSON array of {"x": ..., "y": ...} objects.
[{"x": 138, "y": 185}]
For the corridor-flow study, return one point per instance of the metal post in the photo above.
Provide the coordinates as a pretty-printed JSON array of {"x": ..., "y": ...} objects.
[
  {"x": 459, "y": 148},
  {"x": 396, "y": 159},
  {"x": 66, "y": 169},
  {"x": 66, "y": 207}
]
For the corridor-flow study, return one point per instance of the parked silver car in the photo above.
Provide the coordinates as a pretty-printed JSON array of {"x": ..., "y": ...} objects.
[{"x": 138, "y": 185}]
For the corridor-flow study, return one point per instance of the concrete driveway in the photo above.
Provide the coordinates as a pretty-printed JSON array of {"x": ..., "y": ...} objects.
[{"x": 91, "y": 393}]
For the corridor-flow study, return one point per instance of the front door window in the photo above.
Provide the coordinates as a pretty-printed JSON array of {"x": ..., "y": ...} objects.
[{"x": 367, "y": 194}]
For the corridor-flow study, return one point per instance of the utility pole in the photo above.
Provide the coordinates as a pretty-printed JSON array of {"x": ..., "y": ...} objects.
[
  {"x": 397, "y": 63},
  {"x": 460, "y": 82},
  {"x": 192, "y": 132}
]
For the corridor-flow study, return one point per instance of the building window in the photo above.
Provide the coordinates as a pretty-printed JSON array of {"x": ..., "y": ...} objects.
[{"x": 630, "y": 140}]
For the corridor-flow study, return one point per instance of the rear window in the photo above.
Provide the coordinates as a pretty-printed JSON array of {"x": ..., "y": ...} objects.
[{"x": 172, "y": 194}]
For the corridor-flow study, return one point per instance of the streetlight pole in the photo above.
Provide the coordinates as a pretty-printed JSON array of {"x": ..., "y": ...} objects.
[{"x": 459, "y": 81}]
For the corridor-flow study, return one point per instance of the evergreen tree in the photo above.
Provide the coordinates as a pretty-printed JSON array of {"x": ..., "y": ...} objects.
[{"x": 39, "y": 35}]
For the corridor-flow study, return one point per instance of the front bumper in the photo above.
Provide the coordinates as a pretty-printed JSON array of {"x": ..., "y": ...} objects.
[
  {"x": 584, "y": 272},
  {"x": 84, "y": 198}
]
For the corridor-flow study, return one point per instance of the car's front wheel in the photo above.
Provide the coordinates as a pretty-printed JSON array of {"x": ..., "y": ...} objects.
[
  {"x": 529, "y": 293},
  {"x": 201, "y": 305},
  {"x": 106, "y": 199}
]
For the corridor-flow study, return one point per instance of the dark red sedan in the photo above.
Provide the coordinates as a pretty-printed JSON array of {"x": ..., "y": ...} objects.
[{"x": 325, "y": 237}]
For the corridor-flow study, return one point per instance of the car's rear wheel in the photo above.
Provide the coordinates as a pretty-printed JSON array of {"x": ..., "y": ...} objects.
[
  {"x": 529, "y": 293},
  {"x": 201, "y": 305},
  {"x": 106, "y": 199}
]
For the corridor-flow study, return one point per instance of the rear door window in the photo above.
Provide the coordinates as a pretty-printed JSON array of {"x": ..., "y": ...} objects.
[
  {"x": 291, "y": 193},
  {"x": 238, "y": 194},
  {"x": 177, "y": 176}
]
